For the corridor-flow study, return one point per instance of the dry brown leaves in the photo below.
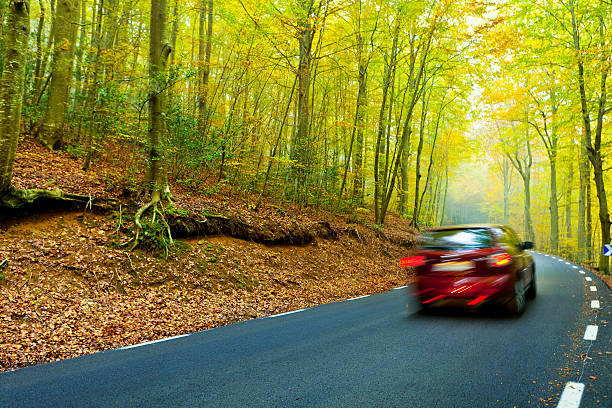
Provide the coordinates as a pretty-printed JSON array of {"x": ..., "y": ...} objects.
[{"x": 66, "y": 292}]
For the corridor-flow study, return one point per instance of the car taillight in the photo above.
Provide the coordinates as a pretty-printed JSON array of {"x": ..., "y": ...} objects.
[
  {"x": 412, "y": 261},
  {"x": 500, "y": 259}
]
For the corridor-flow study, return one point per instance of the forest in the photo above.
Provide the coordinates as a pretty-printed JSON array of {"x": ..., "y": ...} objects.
[{"x": 438, "y": 111}]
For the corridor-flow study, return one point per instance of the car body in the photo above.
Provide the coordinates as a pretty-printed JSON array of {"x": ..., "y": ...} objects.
[{"x": 472, "y": 265}]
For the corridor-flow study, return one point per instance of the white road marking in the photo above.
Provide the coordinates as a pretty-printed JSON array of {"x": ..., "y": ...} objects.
[
  {"x": 284, "y": 314},
  {"x": 567, "y": 263},
  {"x": 591, "y": 332},
  {"x": 574, "y": 266},
  {"x": 154, "y": 341},
  {"x": 358, "y": 297},
  {"x": 582, "y": 272},
  {"x": 572, "y": 394},
  {"x": 400, "y": 287},
  {"x": 588, "y": 279},
  {"x": 593, "y": 288},
  {"x": 594, "y": 304}
]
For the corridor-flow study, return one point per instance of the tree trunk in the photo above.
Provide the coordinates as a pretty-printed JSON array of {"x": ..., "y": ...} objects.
[
  {"x": 417, "y": 170},
  {"x": 527, "y": 224},
  {"x": 39, "y": 52},
  {"x": 594, "y": 150},
  {"x": 359, "y": 124},
  {"x": 93, "y": 85},
  {"x": 305, "y": 65},
  {"x": 159, "y": 51},
  {"x": 584, "y": 170},
  {"x": 45, "y": 57},
  {"x": 554, "y": 208},
  {"x": 79, "y": 56},
  {"x": 64, "y": 34},
  {"x": 201, "y": 61},
  {"x": 206, "y": 71},
  {"x": 507, "y": 176},
  {"x": 568, "y": 200},
  {"x": 11, "y": 86}
]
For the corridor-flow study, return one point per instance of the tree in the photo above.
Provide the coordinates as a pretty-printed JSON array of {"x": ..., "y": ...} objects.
[
  {"x": 593, "y": 147},
  {"x": 64, "y": 34},
  {"x": 156, "y": 182},
  {"x": 11, "y": 88}
]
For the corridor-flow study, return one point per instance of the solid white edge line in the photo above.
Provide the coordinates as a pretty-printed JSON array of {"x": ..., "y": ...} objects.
[
  {"x": 593, "y": 288},
  {"x": 588, "y": 278},
  {"x": 284, "y": 314},
  {"x": 358, "y": 297},
  {"x": 400, "y": 287},
  {"x": 571, "y": 396},
  {"x": 594, "y": 304},
  {"x": 153, "y": 341},
  {"x": 591, "y": 332}
]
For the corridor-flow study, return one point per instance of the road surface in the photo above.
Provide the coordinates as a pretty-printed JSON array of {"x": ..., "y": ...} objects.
[{"x": 365, "y": 352}]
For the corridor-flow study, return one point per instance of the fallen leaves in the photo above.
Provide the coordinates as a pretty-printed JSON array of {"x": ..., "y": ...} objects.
[{"x": 64, "y": 297}]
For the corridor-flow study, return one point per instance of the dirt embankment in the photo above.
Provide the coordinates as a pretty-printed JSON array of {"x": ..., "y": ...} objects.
[{"x": 68, "y": 287}]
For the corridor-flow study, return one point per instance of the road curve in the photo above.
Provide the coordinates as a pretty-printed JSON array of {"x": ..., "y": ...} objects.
[{"x": 363, "y": 352}]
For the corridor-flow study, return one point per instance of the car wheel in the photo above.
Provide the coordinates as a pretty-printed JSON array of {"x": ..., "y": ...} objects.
[
  {"x": 516, "y": 305},
  {"x": 531, "y": 291}
]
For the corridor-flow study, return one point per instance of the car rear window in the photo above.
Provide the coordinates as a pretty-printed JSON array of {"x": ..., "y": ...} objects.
[{"x": 457, "y": 239}]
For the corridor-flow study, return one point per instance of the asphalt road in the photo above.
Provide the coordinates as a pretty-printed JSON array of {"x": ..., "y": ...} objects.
[{"x": 367, "y": 352}]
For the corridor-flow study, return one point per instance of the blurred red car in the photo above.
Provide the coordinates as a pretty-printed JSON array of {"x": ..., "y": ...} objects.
[{"x": 472, "y": 265}]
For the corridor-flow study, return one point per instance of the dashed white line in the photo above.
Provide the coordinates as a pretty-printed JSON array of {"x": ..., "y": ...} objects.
[
  {"x": 582, "y": 272},
  {"x": 591, "y": 332},
  {"x": 588, "y": 278},
  {"x": 284, "y": 314},
  {"x": 574, "y": 266},
  {"x": 594, "y": 304},
  {"x": 593, "y": 288},
  {"x": 154, "y": 341},
  {"x": 572, "y": 394}
]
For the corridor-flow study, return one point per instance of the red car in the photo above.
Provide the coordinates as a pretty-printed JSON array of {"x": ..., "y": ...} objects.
[{"x": 472, "y": 265}]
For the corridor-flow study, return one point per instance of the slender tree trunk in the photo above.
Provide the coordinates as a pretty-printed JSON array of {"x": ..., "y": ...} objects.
[
  {"x": 527, "y": 224},
  {"x": 445, "y": 194},
  {"x": 206, "y": 70},
  {"x": 507, "y": 177},
  {"x": 51, "y": 131},
  {"x": 568, "y": 200},
  {"x": 93, "y": 86},
  {"x": 159, "y": 51},
  {"x": 299, "y": 169},
  {"x": 38, "y": 81},
  {"x": 202, "y": 94},
  {"x": 379, "y": 179},
  {"x": 584, "y": 170},
  {"x": 359, "y": 124},
  {"x": 594, "y": 150},
  {"x": 417, "y": 171},
  {"x": 11, "y": 86},
  {"x": 78, "y": 74},
  {"x": 39, "y": 51}
]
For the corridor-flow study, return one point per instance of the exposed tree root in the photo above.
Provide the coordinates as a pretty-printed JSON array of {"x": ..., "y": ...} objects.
[
  {"x": 160, "y": 238},
  {"x": 15, "y": 202}
]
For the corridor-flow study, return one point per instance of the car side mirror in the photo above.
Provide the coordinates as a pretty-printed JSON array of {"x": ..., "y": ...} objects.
[{"x": 527, "y": 245}]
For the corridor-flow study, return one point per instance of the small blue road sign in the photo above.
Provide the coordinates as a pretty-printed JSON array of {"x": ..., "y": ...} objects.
[{"x": 607, "y": 250}]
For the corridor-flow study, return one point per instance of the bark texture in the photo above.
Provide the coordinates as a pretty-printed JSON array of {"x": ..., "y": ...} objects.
[
  {"x": 64, "y": 34},
  {"x": 11, "y": 87}
]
